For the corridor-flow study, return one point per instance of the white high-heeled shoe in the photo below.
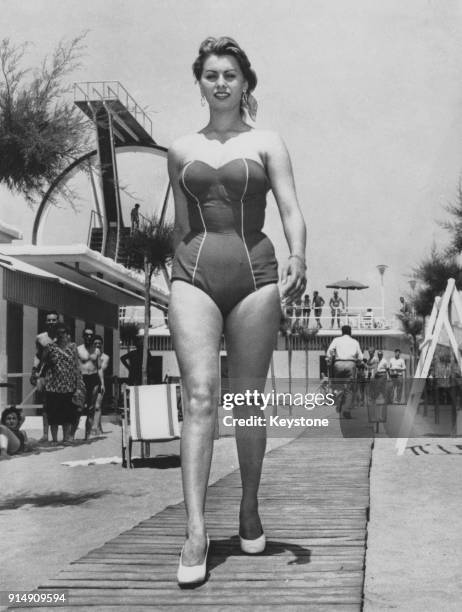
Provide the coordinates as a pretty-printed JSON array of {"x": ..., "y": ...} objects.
[
  {"x": 253, "y": 547},
  {"x": 188, "y": 575}
]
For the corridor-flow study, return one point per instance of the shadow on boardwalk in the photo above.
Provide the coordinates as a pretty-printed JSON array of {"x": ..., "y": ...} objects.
[{"x": 314, "y": 507}]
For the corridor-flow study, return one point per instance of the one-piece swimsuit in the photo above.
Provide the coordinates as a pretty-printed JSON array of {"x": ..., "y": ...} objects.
[{"x": 225, "y": 254}]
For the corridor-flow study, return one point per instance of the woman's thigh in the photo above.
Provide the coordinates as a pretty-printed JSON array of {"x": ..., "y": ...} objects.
[
  {"x": 196, "y": 327},
  {"x": 251, "y": 332}
]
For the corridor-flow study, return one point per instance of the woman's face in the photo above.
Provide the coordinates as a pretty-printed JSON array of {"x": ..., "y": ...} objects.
[
  {"x": 62, "y": 334},
  {"x": 222, "y": 82},
  {"x": 11, "y": 420}
]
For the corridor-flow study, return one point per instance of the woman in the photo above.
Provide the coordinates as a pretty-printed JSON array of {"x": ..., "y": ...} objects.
[
  {"x": 12, "y": 440},
  {"x": 224, "y": 280},
  {"x": 63, "y": 377}
]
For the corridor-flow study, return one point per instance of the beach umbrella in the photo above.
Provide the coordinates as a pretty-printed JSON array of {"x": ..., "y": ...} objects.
[{"x": 347, "y": 285}]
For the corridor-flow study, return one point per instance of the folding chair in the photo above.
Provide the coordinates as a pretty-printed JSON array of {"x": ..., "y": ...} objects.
[{"x": 152, "y": 415}]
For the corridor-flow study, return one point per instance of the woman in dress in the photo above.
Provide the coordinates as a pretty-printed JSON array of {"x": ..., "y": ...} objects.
[
  {"x": 225, "y": 280},
  {"x": 62, "y": 378}
]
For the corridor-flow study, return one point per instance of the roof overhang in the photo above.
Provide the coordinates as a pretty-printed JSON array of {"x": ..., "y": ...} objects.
[
  {"x": 16, "y": 265},
  {"x": 78, "y": 264},
  {"x": 9, "y": 233}
]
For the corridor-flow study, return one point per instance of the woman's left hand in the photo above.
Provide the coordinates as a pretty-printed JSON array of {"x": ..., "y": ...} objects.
[{"x": 293, "y": 279}]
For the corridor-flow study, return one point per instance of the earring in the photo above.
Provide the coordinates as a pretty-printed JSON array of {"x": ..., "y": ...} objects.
[
  {"x": 245, "y": 97},
  {"x": 202, "y": 100}
]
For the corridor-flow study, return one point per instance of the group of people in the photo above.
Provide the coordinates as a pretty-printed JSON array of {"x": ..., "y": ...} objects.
[
  {"x": 299, "y": 311},
  {"x": 71, "y": 378},
  {"x": 368, "y": 376}
]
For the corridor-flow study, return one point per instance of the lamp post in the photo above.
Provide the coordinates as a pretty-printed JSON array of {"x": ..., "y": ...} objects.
[{"x": 381, "y": 268}]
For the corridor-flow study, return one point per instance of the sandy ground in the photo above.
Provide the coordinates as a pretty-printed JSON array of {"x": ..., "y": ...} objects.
[
  {"x": 51, "y": 514},
  {"x": 414, "y": 557}
]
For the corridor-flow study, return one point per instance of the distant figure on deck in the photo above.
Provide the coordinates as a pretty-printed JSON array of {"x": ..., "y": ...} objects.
[
  {"x": 135, "y": 218},
  {"x": 317, "y": 303},
  {"x": 337, "y": 305},
  {"x": 306, "y": 310},
  {"x": 405, "y": 308}
]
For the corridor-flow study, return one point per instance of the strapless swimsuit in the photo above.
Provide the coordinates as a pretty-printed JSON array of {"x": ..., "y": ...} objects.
[{"x": 225, "y": 254}]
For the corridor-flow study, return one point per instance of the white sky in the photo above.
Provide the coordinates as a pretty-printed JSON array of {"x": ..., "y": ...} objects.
[{"x": 367, "y": 95}]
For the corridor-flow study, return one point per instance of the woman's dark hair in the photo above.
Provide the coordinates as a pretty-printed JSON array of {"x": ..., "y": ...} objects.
[
  {"x": 63, "y": 326},
  {"x": 10, "y": 410},
  {"x": 225, "y": 46},
  {"x": 98, "y": 337}
]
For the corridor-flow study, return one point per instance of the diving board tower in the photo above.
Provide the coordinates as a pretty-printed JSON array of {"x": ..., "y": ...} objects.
[
  {"x": 119, "y": 122},
  {"x": 449, "y": 304}
]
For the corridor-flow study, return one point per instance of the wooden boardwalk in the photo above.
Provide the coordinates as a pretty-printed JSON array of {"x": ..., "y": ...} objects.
[{"x": 314, "y": 508}]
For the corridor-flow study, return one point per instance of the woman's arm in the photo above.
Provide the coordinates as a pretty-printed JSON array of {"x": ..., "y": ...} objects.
[
  {"x": 280, "y": 173},
  {"x": 176, "y": 158}
]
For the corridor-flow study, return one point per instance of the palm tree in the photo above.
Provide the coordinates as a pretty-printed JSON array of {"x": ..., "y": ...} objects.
[
  {"x": 128, "y": 332},
  {"x": 150, "y": 248}
]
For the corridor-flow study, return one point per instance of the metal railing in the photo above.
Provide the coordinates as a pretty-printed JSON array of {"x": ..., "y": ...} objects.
[
  {"x": 357, "y": 317},
  {"x": 93, "y": 217},
  {"x": 113, "y": 90}
]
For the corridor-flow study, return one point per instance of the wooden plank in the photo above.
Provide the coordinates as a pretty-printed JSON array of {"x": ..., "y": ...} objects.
[{"x": 314, "y": 505}]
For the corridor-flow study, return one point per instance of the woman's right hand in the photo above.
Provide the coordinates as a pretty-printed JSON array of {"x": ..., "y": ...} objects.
[{"x": 293, "y": 279}]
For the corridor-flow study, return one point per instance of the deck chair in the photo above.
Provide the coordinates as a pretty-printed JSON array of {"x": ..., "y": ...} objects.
[{"x": 151, "y": 414}]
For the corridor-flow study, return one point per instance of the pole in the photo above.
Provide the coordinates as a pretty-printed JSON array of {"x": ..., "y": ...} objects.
[{"x": 381, "y": 268}]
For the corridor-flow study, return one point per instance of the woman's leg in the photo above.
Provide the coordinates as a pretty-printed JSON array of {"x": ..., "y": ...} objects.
[
  {"x": 251, "y": 330},
  {"x": 196, "y": 327}
]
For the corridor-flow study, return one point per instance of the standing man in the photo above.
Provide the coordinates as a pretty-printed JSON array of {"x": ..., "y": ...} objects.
[
  {"x": 306, "y": 310},
  {"x": 397, "y": 371},
  {"x": 380, "y": 385},
  {"x": 318, "y": 303},
  {"x": 337, "y": 305},
  {"x": 344, "y": 353},
  {"x": 102, "y": 364},
  {"x": 135, "y": 217},
  {"x": 88, "y": 359},
  {"x": 37, "y": 378}
]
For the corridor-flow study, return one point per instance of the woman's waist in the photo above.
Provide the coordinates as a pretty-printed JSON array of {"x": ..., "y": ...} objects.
[{"x": 231, "y": 233}]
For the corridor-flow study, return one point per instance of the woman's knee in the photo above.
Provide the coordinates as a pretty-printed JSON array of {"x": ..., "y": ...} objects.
[{"x": 202, "y": 401}]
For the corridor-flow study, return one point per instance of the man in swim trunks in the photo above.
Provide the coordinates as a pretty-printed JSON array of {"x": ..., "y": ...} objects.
[
  {"x": 38, "y": 370},
  {"x": 306, "y": 310},
  {"x": 336, "y": 306},
  {"x": 88, "y": 358},
  {"x": 317, "y": 303},
  {"x": 102, "y": 364}
]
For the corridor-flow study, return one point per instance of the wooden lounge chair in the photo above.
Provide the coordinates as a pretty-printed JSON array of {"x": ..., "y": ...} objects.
[{"x": 151, "y": 414}]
